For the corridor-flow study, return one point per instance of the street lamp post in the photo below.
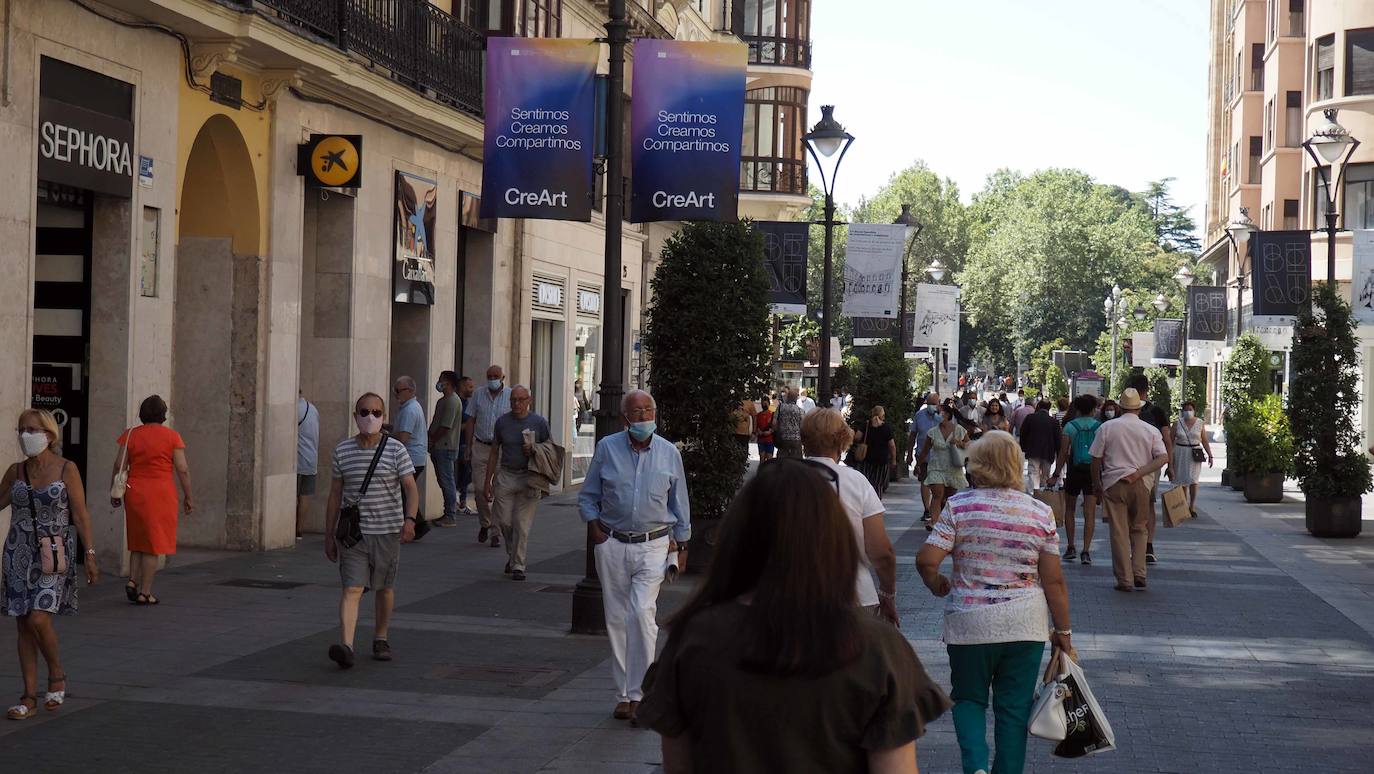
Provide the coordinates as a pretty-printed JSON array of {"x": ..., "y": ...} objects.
[
  {"x": 1184, "y": 276},
  {"x": 825, "y": 139},
  {"x": 1328, "y": 143},
  {"x": 936, "y": 270},
  {"x": 1237, "y": 230},
  {"x": 913, "y": 231},
  {"x": 1112, "y": 302}
]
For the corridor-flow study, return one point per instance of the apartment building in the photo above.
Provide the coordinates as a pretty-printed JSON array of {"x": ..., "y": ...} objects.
[
  {"x": 160, "y": 239},
  {"x": 1275, "y": 66}
]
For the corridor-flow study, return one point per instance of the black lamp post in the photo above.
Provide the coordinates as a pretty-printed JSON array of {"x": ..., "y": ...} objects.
[
  {"x": 825, "y": 139},
  {"x": 588, "y": 614},
  {"x": 1328, "y": 143},
  {"x": 1239, "y": 230},
  {"x": 913, "y": 232}
]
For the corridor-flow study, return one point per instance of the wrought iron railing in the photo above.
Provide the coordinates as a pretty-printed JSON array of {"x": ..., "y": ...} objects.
[
  {"x": 419, "y": 45},
  {"x": 772, "y": 50},
  {"x": 772, "y": 175}
]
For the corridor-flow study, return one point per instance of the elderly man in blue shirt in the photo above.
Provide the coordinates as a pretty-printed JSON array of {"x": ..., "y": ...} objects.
[
  {"x": 634, "y": 501},
  {"x": 408, "y": 426}
]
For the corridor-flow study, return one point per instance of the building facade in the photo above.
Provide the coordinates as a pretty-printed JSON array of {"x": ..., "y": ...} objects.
[
  {"x": 167, "y": 242},
  {"x": 1276, "y": 65}
]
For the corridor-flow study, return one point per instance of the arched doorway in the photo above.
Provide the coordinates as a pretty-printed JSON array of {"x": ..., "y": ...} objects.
[{"x": 216, "y": 371}]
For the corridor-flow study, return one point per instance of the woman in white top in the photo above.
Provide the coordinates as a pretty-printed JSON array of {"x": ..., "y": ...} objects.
[
  {"x": 1190, "y": 433},
  {"x": 1005, "y": 579},
  {"x": 825, "y": 435}
]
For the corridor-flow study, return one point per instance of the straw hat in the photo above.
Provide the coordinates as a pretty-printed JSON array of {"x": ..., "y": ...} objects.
[{"x": 1130, "y": 399}]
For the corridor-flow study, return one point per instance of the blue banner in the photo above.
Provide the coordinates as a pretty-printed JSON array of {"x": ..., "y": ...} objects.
[
  {"x": 540, "y": 128},
  {"x": 686, "y": 125}
]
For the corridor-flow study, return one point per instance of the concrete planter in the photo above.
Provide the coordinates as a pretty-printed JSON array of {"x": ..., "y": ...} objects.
[
  {"x": 1266, "y": 488},
  {"x": 1226, "y": 477},
  {"x": 1333, "y": 517},
  {"x": 1238, "y": 482}
]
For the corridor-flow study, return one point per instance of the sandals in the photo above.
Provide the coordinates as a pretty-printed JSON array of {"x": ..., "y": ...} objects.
[
  {"x": 131, "y": 591},
  {"x": 22, "y": 710},
  {"x": 145, "y": 599},
  {"x": 52, "y": 700}
]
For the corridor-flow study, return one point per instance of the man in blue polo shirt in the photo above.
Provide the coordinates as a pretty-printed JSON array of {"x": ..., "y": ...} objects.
[
  {"x": 927, "y": 417},
  {"x": 408, "y": 427}
]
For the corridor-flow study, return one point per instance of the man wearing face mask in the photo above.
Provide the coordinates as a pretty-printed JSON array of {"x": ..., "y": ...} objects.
[
  {"x": 408, "y": 425},
  {"x": 445, "y": 429},
  {"x": 926, "y": 418},
  {"x": 634, "y": 501},
  {"x": 507, "y": 488},
  {"x": 489, "y": 403}
]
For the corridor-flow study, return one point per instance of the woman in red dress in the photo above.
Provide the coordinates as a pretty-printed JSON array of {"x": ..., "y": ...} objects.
[{"x": 151, "y": 452}]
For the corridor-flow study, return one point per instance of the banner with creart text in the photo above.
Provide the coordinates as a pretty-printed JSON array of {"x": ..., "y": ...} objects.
[
  {"x": 686, "y": 128},
  {"x": 1362, "y": 280},
  {"x": 937, "y": 316},
  {"x": 873, "y": 269},
  {"x": 1282, "y": 275},
  {"x": 785, "y": 247},
  {"x": 540, "y": 128}
]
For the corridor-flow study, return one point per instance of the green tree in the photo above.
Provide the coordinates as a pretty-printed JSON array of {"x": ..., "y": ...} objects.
[
  {"x": 1042, "y": 360},
  {"x": 847, "y": 374},
  {"x": 1161, "y": 394},
  {"x": 1324, "y": 399},
  {"x": 884, "y": 380},
  {"x": 793, "y": 335},
  {"x": 1246, "y": 376},
  {"x": 1175, "y": 230},
  {"x": 923, "y": 379},
  {"x": 1056, "y": 386},
  {"x": 815, "y": 263},
  {"x": 707, "y": 341}
]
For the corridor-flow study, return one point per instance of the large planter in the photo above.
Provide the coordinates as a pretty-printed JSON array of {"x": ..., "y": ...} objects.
[
  {"x": 1225, "y": 476},
  {"x": 1333, "y": 517},
  {"x": 1264, "y": 488},
  {"x": 1238, "y": 482}
]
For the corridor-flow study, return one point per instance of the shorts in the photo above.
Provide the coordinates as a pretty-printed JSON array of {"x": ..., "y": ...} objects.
[
  {"x": 1079, "y": 481},
  {"x": 766, "y": 447},
  {"x": 305, "y": 485},
  {"x": 371, "y": 563}
]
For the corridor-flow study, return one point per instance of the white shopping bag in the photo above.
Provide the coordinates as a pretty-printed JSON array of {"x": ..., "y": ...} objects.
[{"x": 1089, "y": 732}]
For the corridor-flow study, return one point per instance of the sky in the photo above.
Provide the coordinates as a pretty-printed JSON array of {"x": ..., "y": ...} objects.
[{"x": 1117, "y": 88}]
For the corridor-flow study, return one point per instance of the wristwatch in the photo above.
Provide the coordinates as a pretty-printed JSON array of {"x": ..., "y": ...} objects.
[
  {"x": 410, "y": 518},
  {"x": 1064, "y": 632},
  {"x": 90, "y": 552}
]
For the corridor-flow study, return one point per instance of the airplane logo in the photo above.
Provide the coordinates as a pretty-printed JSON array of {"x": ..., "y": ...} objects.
[{"x": 335, "y": 158}]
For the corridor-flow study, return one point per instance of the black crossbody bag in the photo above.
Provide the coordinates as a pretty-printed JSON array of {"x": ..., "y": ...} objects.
[{"x": 349, "y": 531}]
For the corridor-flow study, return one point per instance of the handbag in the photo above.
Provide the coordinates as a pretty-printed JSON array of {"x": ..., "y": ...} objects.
[
  {"x": 120, "y": 483},
  {"x": 349, "y": 531},
  {"x": 1199, "y": 455},
  {"x": 861, "y": 448},
  {"x": 1048, "y": 719},
  {"x": 51, "y": 549}
]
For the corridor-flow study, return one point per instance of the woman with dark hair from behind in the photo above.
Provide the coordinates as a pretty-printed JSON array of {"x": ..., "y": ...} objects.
[{"x": 772, "y": 666}]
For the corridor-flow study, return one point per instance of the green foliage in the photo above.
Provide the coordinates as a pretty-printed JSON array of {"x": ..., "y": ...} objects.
[
  {"x": 1161, "y": 394},
  {"x": 1259, "y": 437},
  {"x": 884, "y": 380},
  {"x": 923, "y": 379},
  {"x": 1323, "y": 399},
  {"x": 1246, "y": 376},
  {"x": 1042, "y": 360},
  {"x": 846, "y": 375},
  {"x": 793, "y": 334},
  {"x": 1056, "y": 385},
  {"x": 1197, "y": 391},
  {"x": 1175, "y": 230},
  {"x": 707, "y": 340}
]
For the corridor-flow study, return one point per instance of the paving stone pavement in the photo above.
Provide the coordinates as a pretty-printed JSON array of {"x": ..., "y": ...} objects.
[{"x": 1253, "y": 651}]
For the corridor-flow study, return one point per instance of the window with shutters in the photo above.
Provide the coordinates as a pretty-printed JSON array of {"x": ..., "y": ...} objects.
[
  {"x": 1292, "y": 120},
  {"x": 773, "y": 157},
  {"x": 1359, "y": 62},
  {"x": 1358, "y": 207},
  {"x": 1290, "y": 215},
  {"x": 1252, "y": 168},
  {"x": 1268, "y": 125},
  {"x": 1297, "y": 27},
  {"x": 1256, "y": 67},
  {"x": 1324, "y": 71}
]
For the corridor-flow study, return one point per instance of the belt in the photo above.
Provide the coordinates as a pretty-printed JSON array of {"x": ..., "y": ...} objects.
[
  {"x": 487, "y": 442},
  {"x": 635, "y": 537}
]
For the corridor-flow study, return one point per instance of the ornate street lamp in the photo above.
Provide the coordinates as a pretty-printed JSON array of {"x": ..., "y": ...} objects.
[
  {"x": 913, "y": 231},
  {"x": 936, "y": 270},
  {"x": 1110, "y": 304},
  {"x": 1239, "y": 230},
  {"x": 826, "y": 139},
  {"x": 1184, "y": 277},
  {"x": 1161, "y": 304},
  {"x": 1330, "y": 142}
]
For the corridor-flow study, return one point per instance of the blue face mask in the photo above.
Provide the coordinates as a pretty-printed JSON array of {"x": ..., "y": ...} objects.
[
  {"x": 493, "y": 384},
  {"x": 641, "y": 431}
]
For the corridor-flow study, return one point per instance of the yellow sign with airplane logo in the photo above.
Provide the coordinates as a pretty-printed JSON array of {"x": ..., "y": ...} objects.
[{"x": 332, "y": 161}]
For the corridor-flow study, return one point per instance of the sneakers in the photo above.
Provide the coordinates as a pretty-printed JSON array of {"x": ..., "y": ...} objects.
[
  {"x": 925, "y": 517},
  {"x": 518, "y": 575},
  {"x": 465, "y": 510},
  {"x": 381, "y": 650},
  {"x": 447, "y": 521},
  {"x": 341, "y": 655},
  {"x": 482, "y": 535},
  {"x": 1150, "y": 553},
  {"x": 495, "y": 540},
  {"x": 1085, "y": 557},
  {"x": 1140, "y": 583},
  {"x": 1071, "y": 554}
]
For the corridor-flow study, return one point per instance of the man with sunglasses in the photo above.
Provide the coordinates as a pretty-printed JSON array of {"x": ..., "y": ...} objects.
[
  {"x": 508, "y": 489},
  {"x": 634, "y": 501},
  {"x": 410, "y": 429}
]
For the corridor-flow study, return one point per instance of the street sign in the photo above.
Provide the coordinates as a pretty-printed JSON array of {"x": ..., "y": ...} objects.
[{"x": 331, "y": 161}]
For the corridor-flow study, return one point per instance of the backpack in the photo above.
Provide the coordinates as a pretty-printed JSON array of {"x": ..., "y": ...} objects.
[{"x": 1084, "y": 432}]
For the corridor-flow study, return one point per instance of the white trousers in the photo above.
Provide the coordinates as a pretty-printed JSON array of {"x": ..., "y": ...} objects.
[
  {"x": 631, "y": 574},
  {"x": 1038, "y": 472}
]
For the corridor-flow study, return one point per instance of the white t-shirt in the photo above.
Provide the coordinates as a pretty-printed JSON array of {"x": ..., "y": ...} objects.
[
  {"x": 860, "y": 502},
  {"x": 807, "y": 404}
]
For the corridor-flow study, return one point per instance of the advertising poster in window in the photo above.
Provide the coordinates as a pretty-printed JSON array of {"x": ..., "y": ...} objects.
[
  {"x": 872, "y": 269},
  {"x": 1206, "y": 313},
  {"x": 413, "y": 251},
  {"x": 540, "y": 125},
  {"x": 1362, "y": 280},
  {"x": 1282, "y": 274},
  {"x": 785, "y": 246},
  {"x": 937, "y": 317},
  {"x": 686, "y": 127},
  {"x": 1168, "y": 341}
]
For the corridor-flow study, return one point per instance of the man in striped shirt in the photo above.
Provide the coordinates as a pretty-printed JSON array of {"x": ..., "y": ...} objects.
[
  {"x": 386, "y": 517},
  {"x": 488, "y": 404}
]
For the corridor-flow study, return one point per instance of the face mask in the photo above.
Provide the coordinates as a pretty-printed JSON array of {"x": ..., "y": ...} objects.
[
  {"x": 931, "y": 409},
  {"x": 1109, "y": 413},
  {"x": 640, "y": 431},
  {"x": 1187, "y": 414},
  {"x": 368, "y": 425},
  {"x": 493, "y": 384},
  {"x": 438, "y": 386},
  {"x": 33, "y": 443}
]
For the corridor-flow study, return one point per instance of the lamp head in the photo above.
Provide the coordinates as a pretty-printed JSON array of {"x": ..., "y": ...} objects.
[
  {"x": 1161, "y": 303},
  {"x": 828, "y": 135},
  {"x": 936, "y": 270},
  {"x": 913, "y": 226},
  {"x": 1242, "y": 227},
  {"x": 1139, "y": 313},
  {"x": 1329, "y": 139},
  {"x": 1184, "y": 276}
]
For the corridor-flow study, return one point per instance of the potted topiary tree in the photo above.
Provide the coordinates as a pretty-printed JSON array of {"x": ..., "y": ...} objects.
[
  {"x": 1263, "y": 448},
  {"x": 1245, "y": 379},
  {"x": 884, "y": 379},
  {"x": 1323, "y": 404}
]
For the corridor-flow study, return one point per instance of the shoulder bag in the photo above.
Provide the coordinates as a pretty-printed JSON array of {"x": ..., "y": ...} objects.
[
  {"x": 51, "y": 549},
  {"x": 861, "y": 448},
  {"x": 121, "y": 476},
  {"x": 349, "y": 531}
]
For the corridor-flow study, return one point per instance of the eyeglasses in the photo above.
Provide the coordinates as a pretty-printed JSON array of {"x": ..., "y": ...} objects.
[
  {"x": 641, "y": 412},
  {"x": 817, "y": 465},
  {"x": 399, "y": 390},
  {"x": 374, "y": 412}
]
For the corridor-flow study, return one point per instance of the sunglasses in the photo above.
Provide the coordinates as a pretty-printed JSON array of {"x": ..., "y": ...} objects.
[
  {"x": 374, "y": 412},
  {"x": 825, "y": 470},
  {"x": 399, "y": 390}
]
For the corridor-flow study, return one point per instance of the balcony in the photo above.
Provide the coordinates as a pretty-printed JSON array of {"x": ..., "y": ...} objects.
[
  {"x": 421, "y": 46},
  {"x": 772, "y": 175},
  {"x": 783, "y": 52}
]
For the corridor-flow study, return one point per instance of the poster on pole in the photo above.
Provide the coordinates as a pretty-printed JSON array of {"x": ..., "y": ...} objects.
[
  {"x": 1168, "y": 341},
  {"x": 1142, "y": 349},
  {"x": 1206, "y": 313},
  {"x": 785, "y": 246},
  {"x": 872, "y": 331},
  {"x": 936, "y": 322},
  {"x": 686, "y": 128},
  {"x": 873, "y": 269},
  {"x": 1282, "y": 279},
  {"x": 413, "y": 246},
  {"x": 1362, "y": 278},
  {"x": 540, "y": 125}
]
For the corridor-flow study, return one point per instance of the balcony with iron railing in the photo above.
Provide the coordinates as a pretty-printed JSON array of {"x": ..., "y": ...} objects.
[
  {"x": 774, "y": 50},
  {"x": 772, "y": 175},
  {"x": 420, "y": 46}
]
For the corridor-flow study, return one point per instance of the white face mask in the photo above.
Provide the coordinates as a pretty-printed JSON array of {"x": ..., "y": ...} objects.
[
  {"x": 1187, "y": 413},
  {"x": 33, "y": 443},
  {"x": 368, "y": 425},
  {"x": 1109, "y": 413}
]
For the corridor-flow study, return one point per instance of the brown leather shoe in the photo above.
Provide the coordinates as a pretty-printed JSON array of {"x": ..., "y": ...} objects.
[
  {"x": 622, "y": 711},
  {"x": 482, "y": 535},
  {"x": 634, "y": 714}
]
